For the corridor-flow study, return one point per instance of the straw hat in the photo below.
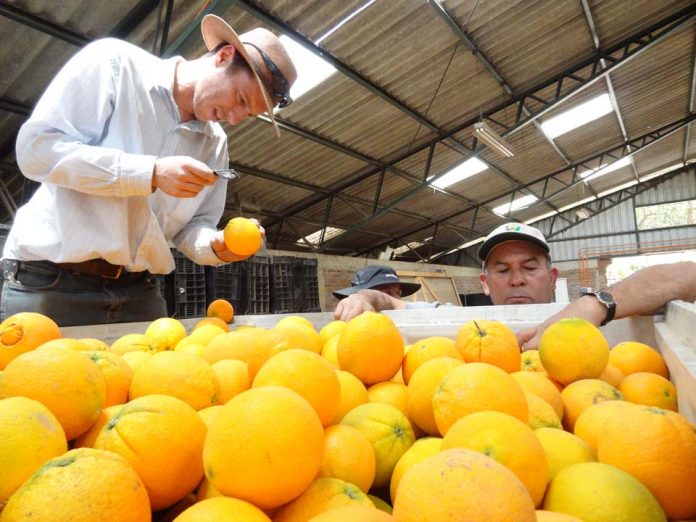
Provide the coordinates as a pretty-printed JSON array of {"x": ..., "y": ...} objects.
[{"x": 274, "y": 72}]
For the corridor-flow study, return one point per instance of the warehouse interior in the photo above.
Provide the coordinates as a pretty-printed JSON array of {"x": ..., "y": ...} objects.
[{"x": 388, "y": 157}]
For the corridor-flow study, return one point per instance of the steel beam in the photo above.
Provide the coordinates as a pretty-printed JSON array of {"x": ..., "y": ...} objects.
[
  {"x": 14, "y": 106},
  {"x": 31, "y": 20},
  {"x": 136, "y": 15},
  {"x": 692, "y": 99}
]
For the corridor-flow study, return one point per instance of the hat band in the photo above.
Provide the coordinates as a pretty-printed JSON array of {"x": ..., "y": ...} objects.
[{"x": 279, "y": 88}]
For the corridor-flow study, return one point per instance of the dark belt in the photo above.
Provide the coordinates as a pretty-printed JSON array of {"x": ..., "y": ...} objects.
[{"x": 93, "y": 267}]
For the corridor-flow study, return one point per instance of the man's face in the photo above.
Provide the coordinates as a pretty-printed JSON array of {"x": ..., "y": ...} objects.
[
  {"x": 392, "y": 289},
  {"x": 517, "y": 272},
  {"x": 226, "y": 93}
]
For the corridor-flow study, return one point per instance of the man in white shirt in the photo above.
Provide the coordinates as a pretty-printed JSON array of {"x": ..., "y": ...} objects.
[{"x": 124, "y": 144}]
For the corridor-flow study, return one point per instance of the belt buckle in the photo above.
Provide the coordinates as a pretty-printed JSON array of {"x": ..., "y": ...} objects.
[{"x": 118, "y": 273}]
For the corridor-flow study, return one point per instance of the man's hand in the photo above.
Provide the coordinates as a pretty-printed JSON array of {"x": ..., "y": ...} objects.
[
  {"x": 220, "y": 248},
  {"x": 352, "y": 306},
  {"x": 181, "y": 176},
  {"x": 586, "y": 307}
]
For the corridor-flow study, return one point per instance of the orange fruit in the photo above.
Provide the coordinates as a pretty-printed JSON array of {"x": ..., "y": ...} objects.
[
  {"x": 330, "y": 330},
  {"x": 117, "y": 375},
  {"x": 477, "y": 387},
  {"x": 351, "y": 514},
  {"x": 222, "y": 309},
  {"x": 254, "y": 346},
  {"x": 94, "y": 344},
  {"x": 595, "y": 491},
  {"x": 353, "y": 393},
  {"x": 421, "y": 388},
  {"x": 632, "y": 357},
  {"x": 308, "y": 374},
  {"x": 563, "y": 449},
  {"x": 67, "y": 382},
  {"x": 371, "y": 348},
  {"x": 23, "y": 332},
  {"x": 209, "y": 414},
  {"x": 203, "y": 334},
  {"x": 658, "y": 447},
  {"x": 82, "y": 484},
  {"x": 507, "y": 440},
  {"x": 649, "y": 389},
  {"x": 295, "y": 320},
  {"x": 86, "y": 440},
  {"x": 162, "y": 438},
  {"x": 242, "y": 236},
  {"x": 132, "y": 343},
  {"x": 490, "y": 342},
  {"x": 67, "y": 343},
  {"x": 299, "y": 336},
  {"x": 530, "y": 361},
  {"x": 233, "y": 378},
  {"x": 612, "y": 375},
  {"x": 552, "y": 516},
  {"x": 265, "y": 447},
  {"x": 393, "y": 393},
  {"x": 420, "y": 450},
  {"x": 186, "y": 345},
  {"x": 181, "y": 375},
  {"x": 330, "y": 351},
  {"x": 427, "y": 349},
  {"x": 432, "y": 490},
  {"x": 205, "y": 488},
  {"x": 348, "y": 455},
  {"x": 389, "y": 432},
  {"x": 211, "y": 320},
  {"x": 31, "y": 435},
  {"x": 222, "y": 509},
  {"x": 572, "y": 349},
  {"x": 380, "y": 504},
  {"x": 539, "y": 384},
  {"x": 541, "y": 414},
  {"x": 580, "y": 395},
  {"x": 590, "y": 423},
  {"x": 135, "y": 359},
  {"x": 164, "y": 333},
  {"x": 322, "y": 495}
]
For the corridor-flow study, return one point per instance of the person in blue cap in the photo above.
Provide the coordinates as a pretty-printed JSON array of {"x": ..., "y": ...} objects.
[{"x": 376, "y": 288}]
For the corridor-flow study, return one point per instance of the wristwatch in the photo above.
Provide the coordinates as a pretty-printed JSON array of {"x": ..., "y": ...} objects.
[{"x": 604, "y": 298}]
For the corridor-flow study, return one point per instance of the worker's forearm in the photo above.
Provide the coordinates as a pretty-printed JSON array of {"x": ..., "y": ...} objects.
[{"x": 651, "y": 288}]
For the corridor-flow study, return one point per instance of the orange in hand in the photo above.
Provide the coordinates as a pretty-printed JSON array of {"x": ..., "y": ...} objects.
[
  {"x": 242, "y": 236},
  {"x": 221, "y": 309}
]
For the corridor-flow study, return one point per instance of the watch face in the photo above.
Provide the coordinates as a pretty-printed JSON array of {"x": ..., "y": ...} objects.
[{"x": 605, "y": 297}]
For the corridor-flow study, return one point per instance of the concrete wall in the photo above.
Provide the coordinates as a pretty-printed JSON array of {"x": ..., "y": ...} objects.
[{"x": 336, "y": 272}]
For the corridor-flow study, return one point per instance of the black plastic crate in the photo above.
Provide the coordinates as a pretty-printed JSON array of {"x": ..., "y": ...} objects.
[
  {"x": 283, "y": 298},
  {"x": 227, "y": 284},
  {"x": 256, "y": 291},
  {"x": 185, "y": 290},
  {"x": 310, "y": 302}
]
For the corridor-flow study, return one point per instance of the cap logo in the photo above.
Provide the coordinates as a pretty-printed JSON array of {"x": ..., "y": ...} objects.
[{"x": 513, "y": 227}]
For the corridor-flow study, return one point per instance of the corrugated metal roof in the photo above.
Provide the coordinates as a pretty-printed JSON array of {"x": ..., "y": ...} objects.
[{"x": 406, "y": 81}]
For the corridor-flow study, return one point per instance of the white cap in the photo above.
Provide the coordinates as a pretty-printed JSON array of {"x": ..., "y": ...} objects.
[{"x": 512, "y": 232}]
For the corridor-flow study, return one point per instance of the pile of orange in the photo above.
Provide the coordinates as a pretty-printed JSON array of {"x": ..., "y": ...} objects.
[{"x": 295, "y": 423}]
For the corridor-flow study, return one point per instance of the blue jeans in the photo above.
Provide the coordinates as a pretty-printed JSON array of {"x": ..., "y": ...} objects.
[{"x": 72, "y": 299}]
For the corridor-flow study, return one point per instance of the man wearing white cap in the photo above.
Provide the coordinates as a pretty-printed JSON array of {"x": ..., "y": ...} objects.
[{"x": 125, "y": 145}]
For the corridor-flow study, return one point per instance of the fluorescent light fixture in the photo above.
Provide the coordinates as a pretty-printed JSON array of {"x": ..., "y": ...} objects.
[
  {"x": 540, "y": 217},
  {"x": 311, "y": 69},
  {"x": 519, "y": 203},
  {"x": 577, "y": 116},
  {"x": 491, "y": 138},
  {"x": 314, "y": 237},
  {"x": 345, "y": 20},
  {"x": 582, "y": 213},
  {"x": 606, "y": 169},
  {"x": 464, "y": 170},
  {"x": 405, "y": 248}
]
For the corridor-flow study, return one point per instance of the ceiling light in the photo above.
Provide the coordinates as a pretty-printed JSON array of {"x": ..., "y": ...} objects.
[
  {"x": 519, "y": 203},
  {"x": 314, "y": 237},
  {"x": 582, "y": 213},
  {"x": 606, "y": 169},
  {"x": 462, "y": 171},
  {"x": 491, "y": 138},
  {"x": 577, "y": 116}
]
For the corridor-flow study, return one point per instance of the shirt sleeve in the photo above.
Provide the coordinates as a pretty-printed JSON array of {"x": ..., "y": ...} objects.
[{"x": 58, "y": 144}]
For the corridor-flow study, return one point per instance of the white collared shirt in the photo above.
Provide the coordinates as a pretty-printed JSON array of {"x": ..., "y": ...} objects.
[{"x": 92, "y": 142}]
